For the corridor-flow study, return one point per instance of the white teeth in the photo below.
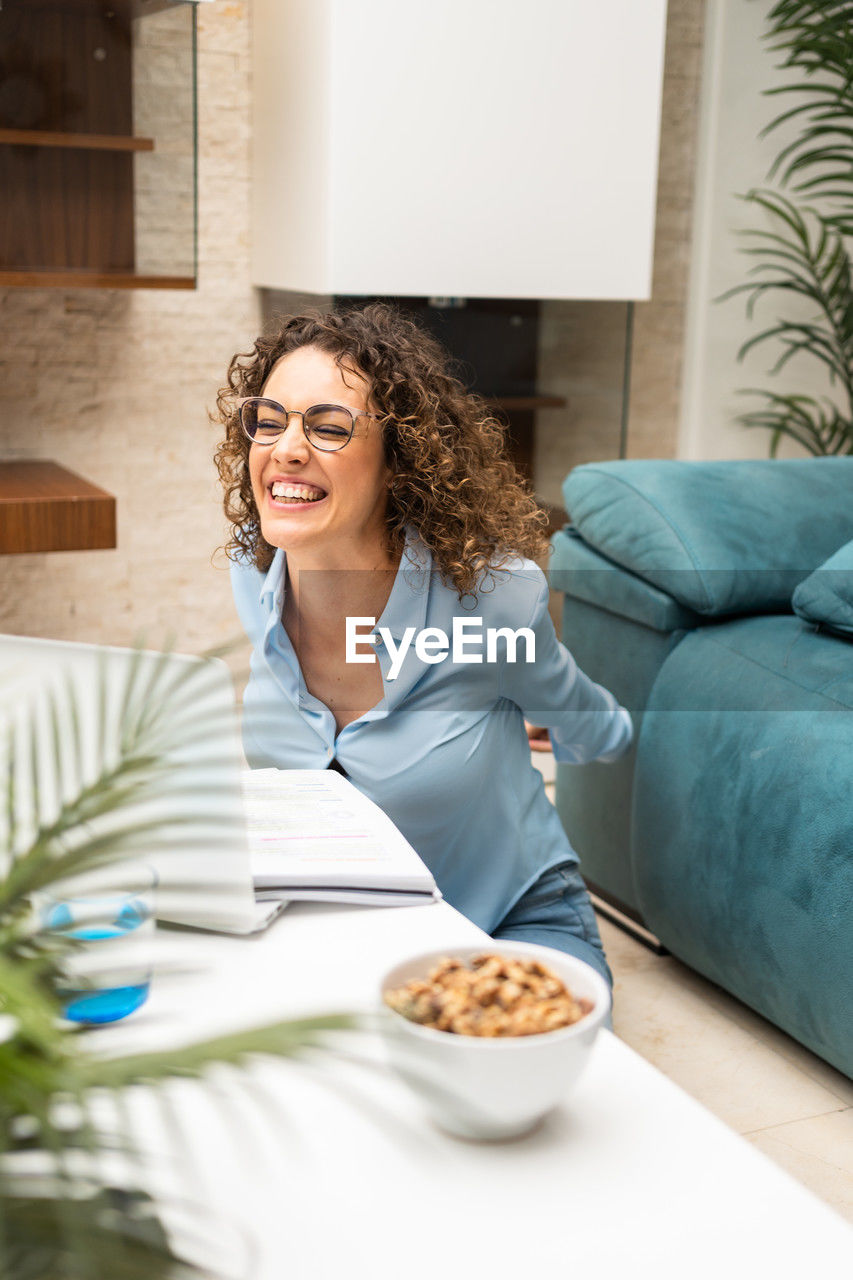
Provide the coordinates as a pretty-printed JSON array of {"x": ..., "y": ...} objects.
[{"x": 299, "y": 492}]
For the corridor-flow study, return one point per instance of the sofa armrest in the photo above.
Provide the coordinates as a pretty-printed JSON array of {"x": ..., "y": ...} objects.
[
  {"x": 620, "y": 631},
  {"x": 582, "y": 574}
]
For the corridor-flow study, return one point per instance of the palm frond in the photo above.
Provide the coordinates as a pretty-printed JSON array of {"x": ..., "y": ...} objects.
[
  {"x": 821, "y": 429},
  {"x": 805, "y": 256},
  {"x": 815, "y": 40},
  {"x": 117, "y": 1233},
  {"x": 135, "y": 765},
  {"x": 278, "y": 1040}
]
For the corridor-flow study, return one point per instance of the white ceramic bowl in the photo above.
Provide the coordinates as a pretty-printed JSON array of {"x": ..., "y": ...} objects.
[{"x": 480, "y": 1087}]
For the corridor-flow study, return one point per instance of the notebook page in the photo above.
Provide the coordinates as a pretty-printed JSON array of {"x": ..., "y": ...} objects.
[{"x": 313, "y": 827}]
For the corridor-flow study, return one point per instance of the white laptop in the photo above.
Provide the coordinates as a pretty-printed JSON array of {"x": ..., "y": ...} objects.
[{"x": 78, "y": 711}]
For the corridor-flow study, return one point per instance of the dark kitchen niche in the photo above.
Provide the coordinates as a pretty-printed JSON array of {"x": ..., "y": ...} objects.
[{"x": 495, "y": 342}]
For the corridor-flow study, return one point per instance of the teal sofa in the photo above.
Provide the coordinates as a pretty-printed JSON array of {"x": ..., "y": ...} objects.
[{"x": 728, "y": 829}]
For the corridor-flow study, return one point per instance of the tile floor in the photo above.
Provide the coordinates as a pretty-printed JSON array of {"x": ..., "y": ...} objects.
[{"x": 779, "y": 1096}]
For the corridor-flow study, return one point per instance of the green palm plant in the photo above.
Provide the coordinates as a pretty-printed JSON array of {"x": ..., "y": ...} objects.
[
  {"x": 804, "y": 256},
  {"x": 815, "y": 39},
  {"x": 60, "y": 1216}
]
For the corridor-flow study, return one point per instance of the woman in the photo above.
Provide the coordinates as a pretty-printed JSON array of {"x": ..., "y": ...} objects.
[{"x": 370, "y": 495}]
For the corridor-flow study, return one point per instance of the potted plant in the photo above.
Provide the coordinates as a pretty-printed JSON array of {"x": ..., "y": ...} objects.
[{"x": 803, "y": 257}]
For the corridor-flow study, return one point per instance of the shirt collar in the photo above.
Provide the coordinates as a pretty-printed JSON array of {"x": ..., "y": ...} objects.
[
  {"x": 406, "y": 604},
  {"x": 272, "y": 587}
]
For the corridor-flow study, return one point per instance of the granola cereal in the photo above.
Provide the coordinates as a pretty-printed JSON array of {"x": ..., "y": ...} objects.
[{"x": 494, "y": 996}]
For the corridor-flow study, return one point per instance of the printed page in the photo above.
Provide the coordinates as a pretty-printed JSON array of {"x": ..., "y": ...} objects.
[{"x": 311, "y": 827}]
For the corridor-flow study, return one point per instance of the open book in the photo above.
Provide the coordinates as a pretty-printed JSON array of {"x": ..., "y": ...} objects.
[{"x": 313, "y": 835}]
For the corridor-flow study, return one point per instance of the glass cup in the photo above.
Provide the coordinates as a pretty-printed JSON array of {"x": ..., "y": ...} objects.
[{"x": 108, "y": 916}]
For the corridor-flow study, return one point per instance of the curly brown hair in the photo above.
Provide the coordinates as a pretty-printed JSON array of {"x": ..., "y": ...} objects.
[{"x": 452, "y": 478}]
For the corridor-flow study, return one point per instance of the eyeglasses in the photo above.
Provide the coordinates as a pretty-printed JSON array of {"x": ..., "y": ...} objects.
[{"x": 326, "y": 426}]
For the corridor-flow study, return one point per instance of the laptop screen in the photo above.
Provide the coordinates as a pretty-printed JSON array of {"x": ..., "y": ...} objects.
[{"x": 150, "y": 742}]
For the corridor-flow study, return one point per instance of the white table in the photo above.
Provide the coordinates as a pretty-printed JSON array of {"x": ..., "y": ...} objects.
[{"x": 334, "y": 1171}]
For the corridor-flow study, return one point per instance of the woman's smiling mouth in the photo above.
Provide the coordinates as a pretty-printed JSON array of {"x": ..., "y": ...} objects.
[{"x": 286, "y": 493}]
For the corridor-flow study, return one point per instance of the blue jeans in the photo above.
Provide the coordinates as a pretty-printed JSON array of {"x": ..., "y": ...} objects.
[{"x": 556, "y": 912}]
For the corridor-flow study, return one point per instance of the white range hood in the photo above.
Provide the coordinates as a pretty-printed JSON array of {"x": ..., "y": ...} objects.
[{"x": 473, "y": 148}]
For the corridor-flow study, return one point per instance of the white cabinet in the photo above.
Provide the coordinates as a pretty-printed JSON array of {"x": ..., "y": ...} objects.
[{"x": 473, "y": 148}]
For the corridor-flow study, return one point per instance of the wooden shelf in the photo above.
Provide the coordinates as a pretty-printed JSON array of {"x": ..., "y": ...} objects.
[
  {"x": 43, "y": 507},
  {"x": 79, "y": 141},
  {"x": 526, "y": 403},
  {"x": 81, "y": 279}
]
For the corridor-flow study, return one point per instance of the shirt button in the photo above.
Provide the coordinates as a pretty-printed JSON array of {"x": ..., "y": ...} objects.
[{"x": 329, "y": 752}]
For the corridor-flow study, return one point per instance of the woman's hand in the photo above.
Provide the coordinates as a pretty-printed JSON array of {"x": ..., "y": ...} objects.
[{"x": 538, "y": 738}]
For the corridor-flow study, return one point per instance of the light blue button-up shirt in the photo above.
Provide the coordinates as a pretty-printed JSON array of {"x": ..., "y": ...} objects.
[{"x": 444, "y": 752}]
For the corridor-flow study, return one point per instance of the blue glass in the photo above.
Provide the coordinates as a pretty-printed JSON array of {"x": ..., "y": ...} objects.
[
  {"x": 106, "y": 1005},
  {"x": 101, "y": 1004}
]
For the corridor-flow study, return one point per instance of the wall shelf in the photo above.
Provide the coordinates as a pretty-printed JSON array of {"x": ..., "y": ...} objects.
[
  {"x": 27, "y": 279},
  {"x": 43, "y": 507},
  {"x": 78, "y": 141},
  {"x": 526, "y": 403}
]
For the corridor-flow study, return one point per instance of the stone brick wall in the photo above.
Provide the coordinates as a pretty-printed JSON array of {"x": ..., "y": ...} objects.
[
  {"x": 117, "y": 386},
  {"x": 582, "y": 359},
  {"x": 659, "y": 324}
]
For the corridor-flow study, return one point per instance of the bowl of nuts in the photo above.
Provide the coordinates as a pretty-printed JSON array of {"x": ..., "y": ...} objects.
[{"x": 492, "y": 1040}]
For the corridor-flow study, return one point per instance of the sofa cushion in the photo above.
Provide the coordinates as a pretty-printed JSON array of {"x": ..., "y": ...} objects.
[
  {"x": 583, "y": 574},
  {"x": 826, "y": 596},
  {"x": 719, "y": 537},
  {"x": 762, "y": 665}
]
